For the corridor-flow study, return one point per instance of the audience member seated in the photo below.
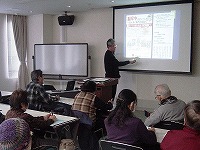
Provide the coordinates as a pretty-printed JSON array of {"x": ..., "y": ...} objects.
[
  {"x": 40, "y": 100},
  {"x": 15, "y": 135},
  {"x": 38, "y": 125},
  {"x": 170, "y": 109},
  {"x": 122, "y": 126},
  {"x": 189, "y": 137},
  {"x": 87, "y": 102}
]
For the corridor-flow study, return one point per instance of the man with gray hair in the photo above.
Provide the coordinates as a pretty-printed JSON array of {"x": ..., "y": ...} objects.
[
  {"x": 170, "y": 109},
  {"x": 111, "y": 64}
]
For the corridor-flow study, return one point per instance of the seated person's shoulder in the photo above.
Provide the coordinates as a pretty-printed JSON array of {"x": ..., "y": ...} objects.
[
  {"x": 25, "y": 116},
  {"x": 181, "y": 101},
  {"x": 138, "y": 120},
  {"x": 34, "y": 86}
]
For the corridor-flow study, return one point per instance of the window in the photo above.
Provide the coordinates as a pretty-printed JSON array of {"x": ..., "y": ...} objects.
[{"x": 13, "y": 60}]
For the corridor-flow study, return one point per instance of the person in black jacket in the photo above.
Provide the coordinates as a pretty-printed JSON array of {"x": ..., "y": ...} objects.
[{"x": 111, "y": 64}]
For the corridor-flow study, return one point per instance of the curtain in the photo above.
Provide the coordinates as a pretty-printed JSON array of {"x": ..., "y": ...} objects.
[{"x": 20, "y": 35}]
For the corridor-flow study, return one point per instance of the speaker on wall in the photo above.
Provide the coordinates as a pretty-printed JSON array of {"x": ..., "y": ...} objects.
[{"x": 66, "y": 20}]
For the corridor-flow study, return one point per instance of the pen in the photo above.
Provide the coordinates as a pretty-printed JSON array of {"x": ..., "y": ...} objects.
[{"x": 51, "y": 113}]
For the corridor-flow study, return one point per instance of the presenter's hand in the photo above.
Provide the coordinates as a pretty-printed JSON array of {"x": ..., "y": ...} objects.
[
  {"x": 132, "y": 61},
  {"x": 53, "y": 117}
]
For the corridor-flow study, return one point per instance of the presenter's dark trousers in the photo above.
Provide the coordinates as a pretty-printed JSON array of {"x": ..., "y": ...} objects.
[{"x": 114, "y": 89}]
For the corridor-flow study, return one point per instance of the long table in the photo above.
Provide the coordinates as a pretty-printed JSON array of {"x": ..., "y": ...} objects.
[
  {"x": 4, "y": 96},
  {"x": 160, "y": 133},
  {"x": 61, "y": 121},
  {"x": 65, "y": 100},
  {"x": 63, "y": 93},
  {"x": 5, "y": 93}
]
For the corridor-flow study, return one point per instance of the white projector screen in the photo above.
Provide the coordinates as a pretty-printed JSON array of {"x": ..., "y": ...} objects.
[
  {"x": 157, "y": 35},
  {"x": 62, "y": 59}
]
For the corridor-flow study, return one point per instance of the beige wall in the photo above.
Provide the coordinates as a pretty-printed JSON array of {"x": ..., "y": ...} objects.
[
  {"x": 95, "y": 27},
  {"x": 35, "y": 36}
]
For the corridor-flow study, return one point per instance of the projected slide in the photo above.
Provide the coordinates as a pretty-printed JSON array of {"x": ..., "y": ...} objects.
[
  {"x": 160, "y": 36},
  {"x": 150, "y": 35}
]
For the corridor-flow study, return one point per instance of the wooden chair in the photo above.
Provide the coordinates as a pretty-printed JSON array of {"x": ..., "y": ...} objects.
[{"x": 111, "y": 145}]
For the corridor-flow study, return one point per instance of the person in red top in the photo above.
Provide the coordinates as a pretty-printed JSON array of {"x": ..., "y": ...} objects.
[{"x": 189, "y": 137}]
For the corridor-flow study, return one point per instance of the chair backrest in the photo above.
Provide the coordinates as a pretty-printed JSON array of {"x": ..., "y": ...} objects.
[
  {"x": 169, "y": 125},
  {"x": 70, "y": 85},
  {"x": 110, "y": 145},
  {"x": 84, "y": 118},
  {"x": 49, "y": 87},
  {"x": 86, "y": 137}
]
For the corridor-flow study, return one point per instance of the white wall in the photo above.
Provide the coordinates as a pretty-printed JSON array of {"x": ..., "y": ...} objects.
[
  {"x": 47, "y": 29},
  {"x": 95, "y": 27}
]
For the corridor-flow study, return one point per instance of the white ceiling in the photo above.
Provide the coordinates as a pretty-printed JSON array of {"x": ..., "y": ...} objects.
[{"x": 33, "y": 7}]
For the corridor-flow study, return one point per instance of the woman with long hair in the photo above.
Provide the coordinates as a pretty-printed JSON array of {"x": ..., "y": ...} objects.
[{"x": 122, "y": 126}]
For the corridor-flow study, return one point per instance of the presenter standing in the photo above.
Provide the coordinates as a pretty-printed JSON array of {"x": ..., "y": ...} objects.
[{"x": 111, "y": 64}]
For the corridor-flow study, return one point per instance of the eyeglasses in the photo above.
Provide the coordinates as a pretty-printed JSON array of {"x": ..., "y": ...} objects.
[{"x": 114, "y": 45}]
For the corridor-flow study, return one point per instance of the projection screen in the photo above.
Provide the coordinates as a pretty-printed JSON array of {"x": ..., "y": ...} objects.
[{"x": 157, "y": 35}]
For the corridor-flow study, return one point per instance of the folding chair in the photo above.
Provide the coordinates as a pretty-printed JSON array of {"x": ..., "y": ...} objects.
[
  {"x": 111, "y": 145},
  {"x": 169, "y": 125},
  {"x": 87, "y": 137}
]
